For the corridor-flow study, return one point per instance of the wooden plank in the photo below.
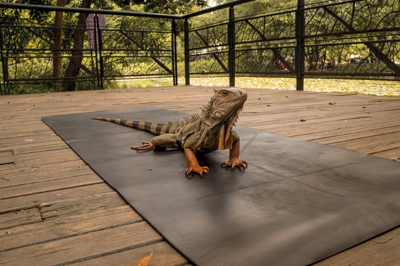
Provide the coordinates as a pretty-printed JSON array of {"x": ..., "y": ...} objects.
[
  {"x": 6, "y": 156},
  {"x": 163, "y": 255},
  {"x": 372, "y": 144},
  {"x": 33, "y": 170},
  {"x": 10, "y": 142},
  {"x": 82, "y": 205},
  {"x": 381, "y": 250},
  {"x": 5, "y": 167},
  {"x": 308, "y": 128},
  {"x": 312, "y": 125},
  {"x": 83, "y": 246},
  {"x": 347, "y": 134},
  {"x": 68, "y": 226},
  {"x": 18, "y": 218},
  {"x": 24, "y": 132},
  {"x": 393, "y": 154},
  {"x": 29, "y": 112},
  {"x": 49, "y": 185},
  {"x": 39, "y": 147},
  {"x": 43, "y": 154},
  {"x": 48, "y": 160},
  {"x": 34, "y": 200},
  {"x": 291, "y": 100},
  {"x": 290, "y": 121},
  {"x": 9, "y": 127},
  {"x": 19, "y": 178}
]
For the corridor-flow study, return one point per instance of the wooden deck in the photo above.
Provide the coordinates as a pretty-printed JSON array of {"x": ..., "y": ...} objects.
[{"x": 55, "y": 210}]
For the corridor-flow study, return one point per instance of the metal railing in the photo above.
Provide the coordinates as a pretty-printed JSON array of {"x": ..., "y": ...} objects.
[
  {"x": 122, "y": 50},
  {"x": 345, "y": 39}
]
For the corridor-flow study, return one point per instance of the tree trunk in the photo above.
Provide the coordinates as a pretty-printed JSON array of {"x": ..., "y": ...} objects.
[
  {"x": 57, "y": 51},
  {"x": 76, "y": 55}
]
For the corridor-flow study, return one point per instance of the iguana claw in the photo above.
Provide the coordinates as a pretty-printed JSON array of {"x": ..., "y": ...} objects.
[
  {"x": 235, "y": 163},
  {"x": 196, "y": 169},
  {"x": 147, "y": 146}
]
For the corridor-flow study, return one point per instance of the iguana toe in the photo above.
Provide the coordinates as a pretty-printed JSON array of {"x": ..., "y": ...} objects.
[
  {"x": 147, "y": 146},
  {"x": 197, "y": 169},
  {"x": 235, "y": 163}
]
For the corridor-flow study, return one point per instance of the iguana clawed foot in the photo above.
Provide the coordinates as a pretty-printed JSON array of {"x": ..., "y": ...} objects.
[
  {"x": 147, "y": 146},
  {"x": 196, "y": 169},
  {"x": 235, "y": 163}
]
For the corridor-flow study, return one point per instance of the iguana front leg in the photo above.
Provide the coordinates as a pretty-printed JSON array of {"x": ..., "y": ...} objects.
[
  {"x": 234, "y": 157},
  {"x": 193, "y": 164}
]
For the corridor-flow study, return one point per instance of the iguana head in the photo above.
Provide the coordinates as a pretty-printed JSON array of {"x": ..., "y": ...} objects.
[{"x": 223, "y": 111}]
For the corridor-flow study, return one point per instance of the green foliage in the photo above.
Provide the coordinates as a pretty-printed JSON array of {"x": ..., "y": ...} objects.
[
  {"x": 141, "y": 46},
  {"x": 207, "y": 64},
  {"x": 15, "y": 14},
  {"x": 263, "y": 6},
  {"x": 175, "y": 7}
]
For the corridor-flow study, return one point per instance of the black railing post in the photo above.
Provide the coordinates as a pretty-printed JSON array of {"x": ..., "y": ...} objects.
[
  {"x": 231, "y": 52},
  {"x": 100, "y": 48},
  {"x": 174, "y": 56},
  {"x": 187, "y": 69},
  {"x": 4, "y": 65},
  {"x": 299, "y": 55},
  {"x": 96, "y": 57}
]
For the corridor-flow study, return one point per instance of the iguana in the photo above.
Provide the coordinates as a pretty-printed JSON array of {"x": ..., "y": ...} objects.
[{"x": 201, "y": 133}]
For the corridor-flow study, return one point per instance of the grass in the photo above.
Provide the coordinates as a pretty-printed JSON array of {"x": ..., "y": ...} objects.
[
  {"x": 143, "y": 83},
  {"x": 353, "y": 86}
]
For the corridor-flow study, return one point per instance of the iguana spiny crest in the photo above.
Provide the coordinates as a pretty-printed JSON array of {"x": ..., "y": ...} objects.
[{"x": 223, "y": 111}]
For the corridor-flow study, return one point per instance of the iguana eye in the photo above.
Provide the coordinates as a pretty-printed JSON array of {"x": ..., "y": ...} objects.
[{"x": 224, "y": 93}]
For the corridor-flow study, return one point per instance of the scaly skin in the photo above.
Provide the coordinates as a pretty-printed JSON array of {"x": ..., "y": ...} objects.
[
  {"x": 234, "y": 157},
  {"x": 193, "y": 164},
  {"x": 203, "y": 133}
]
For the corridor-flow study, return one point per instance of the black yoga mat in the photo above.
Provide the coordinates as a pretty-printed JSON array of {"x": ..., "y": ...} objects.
[{"x": 298, "y": 202}]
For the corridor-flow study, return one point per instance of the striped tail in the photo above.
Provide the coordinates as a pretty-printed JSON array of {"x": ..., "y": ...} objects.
[{"x": 156, "y": 129}]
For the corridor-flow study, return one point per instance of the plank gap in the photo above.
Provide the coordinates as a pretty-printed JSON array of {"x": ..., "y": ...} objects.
[
  {"x": 114, "y": 252},
  {"x": 21, "y": 217},
  {"x": 52, "y": 190},
  {"x": 71, "y": 235},
  {"x": 7, "y": 166}
]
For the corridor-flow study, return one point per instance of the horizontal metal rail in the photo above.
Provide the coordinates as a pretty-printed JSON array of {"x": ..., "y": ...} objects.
[
  {"x": 87, "y": 10},
  {"x": 124, "y": 13},
  {"x": 215, "y": 8},
  {"x": 312, "y": 40},
  {"x": 122, "y": 52}
]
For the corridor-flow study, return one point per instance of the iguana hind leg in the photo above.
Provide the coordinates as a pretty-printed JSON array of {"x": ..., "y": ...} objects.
[
  {"x": 159, "y": 142},
  {"x": 147, "y": 146}
]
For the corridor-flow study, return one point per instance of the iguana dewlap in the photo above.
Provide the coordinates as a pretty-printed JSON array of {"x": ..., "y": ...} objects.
[{"x": 201, "y": 133}]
